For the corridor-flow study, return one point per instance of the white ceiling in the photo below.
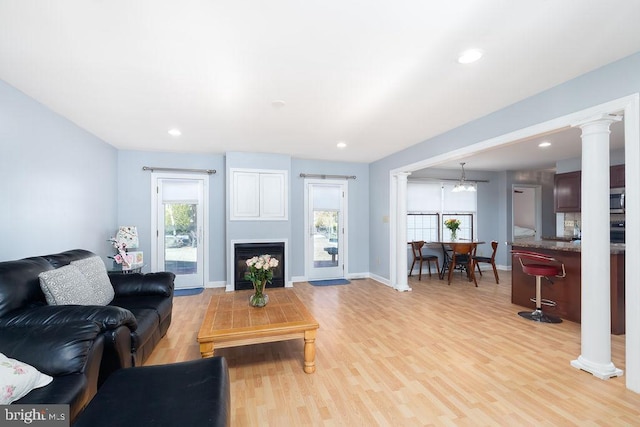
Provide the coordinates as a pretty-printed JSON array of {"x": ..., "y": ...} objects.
[{"x": 379, "y": 75}]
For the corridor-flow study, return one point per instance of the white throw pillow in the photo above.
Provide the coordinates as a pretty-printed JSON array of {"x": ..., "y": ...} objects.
[
  {"x": 65, "y": 285},
  {"x": 97, "y": 278},
  {"x": 17, "y": 379}
]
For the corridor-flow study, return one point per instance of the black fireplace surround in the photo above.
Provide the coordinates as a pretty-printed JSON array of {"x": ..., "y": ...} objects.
[{"x": 244, "y": 251}]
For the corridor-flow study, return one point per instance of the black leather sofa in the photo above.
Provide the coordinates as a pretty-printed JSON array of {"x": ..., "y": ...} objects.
[
  {"x": 131, "y": 325},
  {"x": 70, "y": 353}
]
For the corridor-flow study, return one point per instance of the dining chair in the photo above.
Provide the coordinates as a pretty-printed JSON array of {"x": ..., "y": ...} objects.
[
  {"x": 489, "y": 260},
  {"x": 416, "y": 247},
  {"x": 462, "y": 256}
]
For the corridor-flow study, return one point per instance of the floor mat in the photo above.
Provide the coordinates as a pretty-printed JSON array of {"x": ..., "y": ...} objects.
[
  {"x": 329, "y": 282},
  {"x": 186, "y": 292}
]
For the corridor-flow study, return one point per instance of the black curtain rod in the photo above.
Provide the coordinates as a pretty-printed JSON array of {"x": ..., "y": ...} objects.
[{"x": 153, "y": 168}]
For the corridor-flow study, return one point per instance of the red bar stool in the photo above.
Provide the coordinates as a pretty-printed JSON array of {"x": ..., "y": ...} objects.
[{"x": 540, "y": 265}]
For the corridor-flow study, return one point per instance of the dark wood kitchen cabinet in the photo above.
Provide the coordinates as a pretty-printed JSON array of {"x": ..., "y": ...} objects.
[
  {"x": 567, "y": 192},
  {"x": 616, "y": 176}
]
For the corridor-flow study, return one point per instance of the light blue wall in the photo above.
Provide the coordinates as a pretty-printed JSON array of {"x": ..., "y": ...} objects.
[
  {"x": 57, "y": 182},
  {"x": 358, "y": 211},
  {"x": 134, "y": 199},
  {"x": 613, "y": 81}
]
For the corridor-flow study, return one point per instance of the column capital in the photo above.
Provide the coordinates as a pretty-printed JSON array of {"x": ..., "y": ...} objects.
[
  {"x": 402, "y": 175},
  {"x": 599, "y": 119}
]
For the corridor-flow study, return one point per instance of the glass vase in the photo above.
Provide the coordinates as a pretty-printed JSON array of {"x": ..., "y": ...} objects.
[
  {"x": 258, "y": 298},
  {"x": 454, "y": 235}
]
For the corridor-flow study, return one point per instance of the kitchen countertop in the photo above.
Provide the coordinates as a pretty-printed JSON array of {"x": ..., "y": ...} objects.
[{"x": 616, "y": 248}]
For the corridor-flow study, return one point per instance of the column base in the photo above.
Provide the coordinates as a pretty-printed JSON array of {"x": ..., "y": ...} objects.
[
  {"x": 403, "y": 288},
  {"x": 598, "y": 370}
]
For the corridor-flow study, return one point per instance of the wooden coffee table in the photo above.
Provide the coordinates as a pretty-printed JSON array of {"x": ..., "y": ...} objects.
[{"x": 230, "y": 322}]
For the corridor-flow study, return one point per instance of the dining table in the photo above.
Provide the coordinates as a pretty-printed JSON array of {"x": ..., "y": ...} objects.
[{"x": 446, "y": 253}]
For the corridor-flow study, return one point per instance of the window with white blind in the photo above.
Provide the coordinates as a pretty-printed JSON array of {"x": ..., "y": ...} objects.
[{"x": 431, "y": 203}]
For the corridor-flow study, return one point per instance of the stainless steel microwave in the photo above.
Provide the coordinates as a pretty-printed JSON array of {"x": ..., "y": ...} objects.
[{"x": 616, "y": 200}]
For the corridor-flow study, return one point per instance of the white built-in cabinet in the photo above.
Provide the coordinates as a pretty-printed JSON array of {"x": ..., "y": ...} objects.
[{"x": 258, "y": 194}]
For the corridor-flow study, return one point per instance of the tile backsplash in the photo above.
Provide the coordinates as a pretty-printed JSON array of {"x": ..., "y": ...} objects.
[
  {"x": 566, "y": 225},
  {"x": 571, "y": 220}
]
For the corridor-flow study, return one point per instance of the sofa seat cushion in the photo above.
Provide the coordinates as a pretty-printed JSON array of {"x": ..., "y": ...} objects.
[
  {"x": 148, "y": 325},
  {"x": 17, "y": 379},
  {"x": 94, "y": 270},
  {"x": 162, "y": 305}
]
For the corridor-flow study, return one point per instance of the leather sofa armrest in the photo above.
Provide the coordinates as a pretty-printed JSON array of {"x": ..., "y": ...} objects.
[
  {"x": 137, "y": 284},
  {"x": 107, "y": 317},
  {"x": 55, "y": 350}
]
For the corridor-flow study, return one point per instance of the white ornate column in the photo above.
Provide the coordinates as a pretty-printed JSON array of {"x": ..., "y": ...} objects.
[
  {"x": 595, "y": 316},
  {"x": 402, "y": 283}
]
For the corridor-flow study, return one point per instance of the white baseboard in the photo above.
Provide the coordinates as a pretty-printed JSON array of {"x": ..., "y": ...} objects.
[{"x": 380, "y": 279}]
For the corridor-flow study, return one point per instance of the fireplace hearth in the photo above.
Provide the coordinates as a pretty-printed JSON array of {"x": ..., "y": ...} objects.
[{"x": 244, "y": 251}]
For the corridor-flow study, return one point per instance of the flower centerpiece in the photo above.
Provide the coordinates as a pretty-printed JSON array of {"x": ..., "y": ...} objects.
[
  {"x": 121, "y": 256},
  {"x": 453, "y": 225},
  {"x": 260, "y": 273}
]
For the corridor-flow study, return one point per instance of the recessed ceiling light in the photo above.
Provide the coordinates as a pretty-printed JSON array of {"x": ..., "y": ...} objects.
[
  {"x": 544, "y": 144},
  {"x": 341, "y": 144},
  {"x": 175, "y": 132},
  {"x": 469, "y": 56}
]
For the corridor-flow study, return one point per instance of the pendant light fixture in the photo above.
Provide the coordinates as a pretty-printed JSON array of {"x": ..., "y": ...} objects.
[{"x": 462, "y": 185}]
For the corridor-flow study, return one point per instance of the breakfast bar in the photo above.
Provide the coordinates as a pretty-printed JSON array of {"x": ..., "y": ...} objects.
[{"x": 566, "y": 291}]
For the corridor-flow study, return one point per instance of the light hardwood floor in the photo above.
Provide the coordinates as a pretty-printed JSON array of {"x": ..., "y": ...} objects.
[{"x": 439, "y": 355}]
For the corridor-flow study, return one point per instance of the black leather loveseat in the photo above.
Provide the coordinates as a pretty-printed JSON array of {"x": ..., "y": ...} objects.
[{"x": 131, "y": 325}]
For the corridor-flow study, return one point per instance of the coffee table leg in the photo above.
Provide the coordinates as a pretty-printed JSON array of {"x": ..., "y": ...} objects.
[
  {"x": 206, "y": 349},
  {"x": 310, "y": 351}
]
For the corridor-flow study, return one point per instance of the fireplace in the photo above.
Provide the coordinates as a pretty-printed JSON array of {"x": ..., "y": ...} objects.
[{"x": 244, "y": 251}]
